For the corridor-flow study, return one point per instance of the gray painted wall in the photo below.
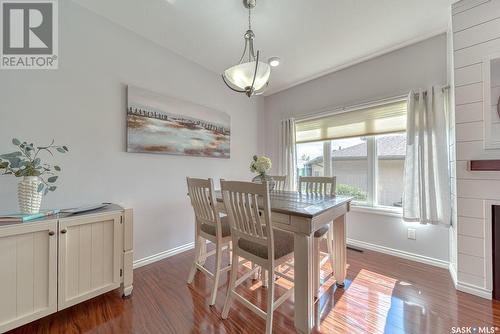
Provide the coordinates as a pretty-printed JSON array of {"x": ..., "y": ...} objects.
[
  {"x": 396, "y": 73},
  {"x": 83, "y": 105}
]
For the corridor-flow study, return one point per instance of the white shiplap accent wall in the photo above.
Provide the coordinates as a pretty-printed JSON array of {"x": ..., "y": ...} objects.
[
  {"x": 476, "y": 35},
  {"x": 451, "y": 79}
]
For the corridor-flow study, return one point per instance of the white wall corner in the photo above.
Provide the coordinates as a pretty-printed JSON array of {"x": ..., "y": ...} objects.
[
  {"x": 453, "y": 274},
  {"x": 162, "y": 255}
]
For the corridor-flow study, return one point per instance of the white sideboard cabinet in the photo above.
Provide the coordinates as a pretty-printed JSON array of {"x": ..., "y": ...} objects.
[{"x": 49, "y": 264}]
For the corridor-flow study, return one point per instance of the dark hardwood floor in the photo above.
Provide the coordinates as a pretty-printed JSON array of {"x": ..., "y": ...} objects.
[{"x": 383, "y": 294}]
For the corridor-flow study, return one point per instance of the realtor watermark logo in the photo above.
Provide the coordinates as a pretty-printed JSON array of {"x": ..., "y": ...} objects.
[
  {"x": 29, "y": 34},
  {"x": 474, "y": 330}
]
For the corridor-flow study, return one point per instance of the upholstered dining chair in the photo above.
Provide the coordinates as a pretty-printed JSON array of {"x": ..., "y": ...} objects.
[
  {"x": 280, "y": 182},
  {"x": 209, "y": 226},
  {"x": 321, "y": 185},
  {"x": 254, "y": 239}
]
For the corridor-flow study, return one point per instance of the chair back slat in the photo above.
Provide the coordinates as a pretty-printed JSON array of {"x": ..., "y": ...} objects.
[
  {"x": 202, "y": 195},
  {"x": 243, "y": 214},
  {"x": 244, "y": 202},
  {"x": 321, "y": 185},
  {"x": 249, "y": 215},
  {"x": 256, "y": 214},
  {"x": 280, "y": 182}
]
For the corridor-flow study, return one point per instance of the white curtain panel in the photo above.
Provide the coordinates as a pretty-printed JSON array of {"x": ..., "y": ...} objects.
[
  {"x": 426, "y": 197},
  {"x": 288, "y": 155}
]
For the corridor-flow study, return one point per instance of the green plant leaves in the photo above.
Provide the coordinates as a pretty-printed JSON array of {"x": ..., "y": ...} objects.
[
  {"x": 11, "y": 155},
  {"x": 27, "y": 161},
  {"x": 52, "y": 179},
  {"x": 15, "y": 162}
]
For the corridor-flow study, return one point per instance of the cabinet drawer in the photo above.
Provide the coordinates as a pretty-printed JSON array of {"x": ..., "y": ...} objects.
[{"x": 278, "y": 217}]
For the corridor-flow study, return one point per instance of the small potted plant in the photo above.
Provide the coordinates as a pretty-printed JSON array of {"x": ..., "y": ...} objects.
[
  {"x": 261, "y": 165},
  {"x": 37, "y": 178}
]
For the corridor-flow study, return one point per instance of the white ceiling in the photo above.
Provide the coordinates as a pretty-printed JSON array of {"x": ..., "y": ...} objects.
[{"x": 312, "y": 37}]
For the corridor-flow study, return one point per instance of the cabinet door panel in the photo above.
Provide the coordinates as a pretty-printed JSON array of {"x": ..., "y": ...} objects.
[
  {"x": 89, "y": 257},
  {"x": 8, "y": 274},
  {"x": 28, "y": 262}
]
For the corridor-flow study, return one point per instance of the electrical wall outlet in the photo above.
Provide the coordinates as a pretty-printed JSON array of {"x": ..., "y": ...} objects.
[{"x": 412, "y": 234}]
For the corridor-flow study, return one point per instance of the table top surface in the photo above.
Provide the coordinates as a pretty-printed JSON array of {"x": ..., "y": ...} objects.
[{"x": 301, "y": 204}]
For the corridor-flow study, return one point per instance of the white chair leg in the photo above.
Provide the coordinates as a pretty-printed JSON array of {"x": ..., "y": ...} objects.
[
  {"x": 231, "y": 286},
  {"x": 316, "y": 266},
  {"x": 265, "y": 279},
  {"x": 203, "y": 252},
  {"x": 218, "y": 260},
  {"x": 197, "y": 254},
  {"x": 330, "y": 246},
  {"x": 256, "y": 274},
  {"x": 270, "y": 301}
]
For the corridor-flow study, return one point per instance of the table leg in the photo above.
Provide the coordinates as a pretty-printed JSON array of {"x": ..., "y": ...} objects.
[
  {"x": 340, "y": 250},
  {"x": 303, "y": 277}
]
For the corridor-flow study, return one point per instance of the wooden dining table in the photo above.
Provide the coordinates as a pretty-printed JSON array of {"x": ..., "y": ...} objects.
[{"x": 302, "y": 214}]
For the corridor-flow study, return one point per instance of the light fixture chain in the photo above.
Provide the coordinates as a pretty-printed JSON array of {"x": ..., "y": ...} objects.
[{"x": 249, "y": 18}]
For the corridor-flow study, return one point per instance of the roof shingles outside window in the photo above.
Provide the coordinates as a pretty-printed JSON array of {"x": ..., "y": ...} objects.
[{"x": 388, "y": 148}]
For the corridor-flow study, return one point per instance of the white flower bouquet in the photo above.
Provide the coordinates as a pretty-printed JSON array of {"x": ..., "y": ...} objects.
[{"x": 260, "y": 165}]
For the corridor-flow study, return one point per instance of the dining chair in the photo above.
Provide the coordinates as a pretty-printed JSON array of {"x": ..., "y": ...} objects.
[
  {"x": 280, "y": 182},
  {"x": 209, "y": 226},
  {"x": 254, "y": 239},
  {"x": 322, "y": 185}
]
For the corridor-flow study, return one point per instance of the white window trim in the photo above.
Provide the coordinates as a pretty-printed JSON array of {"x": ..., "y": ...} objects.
[
  {"x": 371, "y": 146},
  {"x": 378, "y": 210}
]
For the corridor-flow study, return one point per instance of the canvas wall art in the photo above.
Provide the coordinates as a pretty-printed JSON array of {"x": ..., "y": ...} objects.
[{"x": 158, "y": 123}]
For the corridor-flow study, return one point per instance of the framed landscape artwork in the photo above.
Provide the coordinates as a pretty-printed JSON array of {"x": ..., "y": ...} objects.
[{"x": 161, "y": 124}]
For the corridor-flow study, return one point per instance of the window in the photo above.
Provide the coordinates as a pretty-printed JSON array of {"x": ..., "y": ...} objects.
[
  {"x": 310, "y": 159},
  {"x": 391, "y": 150},
  {"x": 364, "y": 148},
  {"x": 350, "y": 166}
]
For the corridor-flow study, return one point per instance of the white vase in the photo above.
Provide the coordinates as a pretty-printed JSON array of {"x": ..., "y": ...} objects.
[
  {"x": 29, "y": 198},
  {"x": 261, "y": 178}
]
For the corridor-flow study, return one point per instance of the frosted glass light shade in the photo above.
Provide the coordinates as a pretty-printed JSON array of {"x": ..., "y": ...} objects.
[{"x": 241, "y": 75}]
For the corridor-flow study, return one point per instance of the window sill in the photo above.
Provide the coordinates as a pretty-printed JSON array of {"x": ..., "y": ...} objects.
[{"x": 391, "y": 212}]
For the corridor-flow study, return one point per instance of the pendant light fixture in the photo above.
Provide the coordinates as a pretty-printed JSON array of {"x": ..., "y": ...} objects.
[{"x": 250, "y": 75}]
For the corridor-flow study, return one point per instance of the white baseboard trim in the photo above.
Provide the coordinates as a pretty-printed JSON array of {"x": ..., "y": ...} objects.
[
  {"x": 473, "y": 290},
  {"x": 468, "y": 288},
  {"x": 162, "y": 255},
  {"x": 399, "y": 253},
  {"x": 356, "y": 243},
  {"x": 464, "y": 287}
]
